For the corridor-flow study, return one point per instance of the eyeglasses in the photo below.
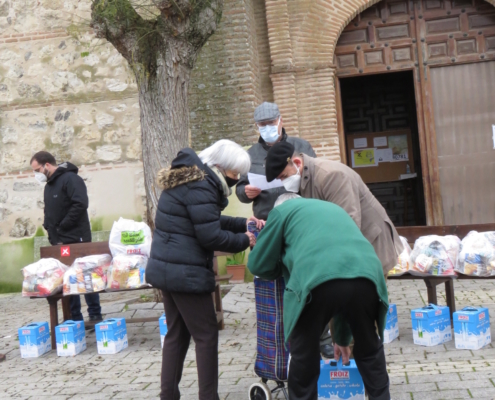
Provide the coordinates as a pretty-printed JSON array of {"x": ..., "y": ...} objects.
[{"x": 39, "y": 168}]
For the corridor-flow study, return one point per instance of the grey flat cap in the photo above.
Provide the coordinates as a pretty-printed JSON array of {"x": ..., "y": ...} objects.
[{"x": 266, "y": 112}]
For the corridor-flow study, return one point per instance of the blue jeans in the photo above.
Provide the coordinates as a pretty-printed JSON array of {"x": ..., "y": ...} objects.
[{"x": 93, "y": 302}]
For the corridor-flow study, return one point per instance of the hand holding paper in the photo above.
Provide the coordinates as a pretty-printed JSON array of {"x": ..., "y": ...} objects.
[
  {"x": 252, "y": 191},
  {"x": 260, "y": 182}
]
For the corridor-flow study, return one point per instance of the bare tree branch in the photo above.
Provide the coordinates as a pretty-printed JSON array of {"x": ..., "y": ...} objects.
[{"x": 118, "y": 22}]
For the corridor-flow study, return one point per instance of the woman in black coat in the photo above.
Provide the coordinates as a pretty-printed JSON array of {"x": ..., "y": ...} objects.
[{"x": 188, "y": 229}]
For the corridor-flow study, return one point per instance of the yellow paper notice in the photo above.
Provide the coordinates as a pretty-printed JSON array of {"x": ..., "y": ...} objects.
[{"x": 363, "y": 158}]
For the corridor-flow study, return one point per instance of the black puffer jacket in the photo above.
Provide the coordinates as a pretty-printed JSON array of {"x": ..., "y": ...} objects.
[
  {"x": 189, "y": 228},
  {"x": 66, "y": 207}
]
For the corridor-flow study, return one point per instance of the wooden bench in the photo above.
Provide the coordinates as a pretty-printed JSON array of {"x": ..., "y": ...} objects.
[
  {"x": 411, "y": 233},
  {"x": 68, "y": 253}
]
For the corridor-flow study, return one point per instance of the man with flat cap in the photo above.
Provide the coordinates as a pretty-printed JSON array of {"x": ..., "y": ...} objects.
[
  {"x": 335, "y": 182},
  {"x": 270, "y": 126}
]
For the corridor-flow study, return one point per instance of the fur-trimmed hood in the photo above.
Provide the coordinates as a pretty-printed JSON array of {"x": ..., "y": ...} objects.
[{"x": 169, "y": 178}]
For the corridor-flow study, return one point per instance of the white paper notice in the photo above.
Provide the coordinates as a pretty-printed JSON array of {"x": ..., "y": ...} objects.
[
  {"x": 380, "y": 141},
  {"x": 260, "y": 182},
  {"x": 360, "y": 143},
  {"x": 493, "y": 132},
  {"x": 384, "y": 155}
]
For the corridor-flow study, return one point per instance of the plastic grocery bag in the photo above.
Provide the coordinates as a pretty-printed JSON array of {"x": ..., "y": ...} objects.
[
  {"x": 43, "y": 278},
  {"x": 404, "y": 259},
  {"x": 490, "y": 236},
  {"x": 87, "y": 274},
  {"x": 435, "y": 255},
  {"x": 477, "y": 254},
  {"x": 130, "y": 237},
  {"x": 127, "y": 272}
]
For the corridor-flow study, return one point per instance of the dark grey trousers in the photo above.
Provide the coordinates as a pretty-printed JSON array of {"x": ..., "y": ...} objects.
[{"x": 190, "y": 315}]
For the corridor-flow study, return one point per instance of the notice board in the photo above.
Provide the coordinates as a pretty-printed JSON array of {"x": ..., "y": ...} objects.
[{"x": 380, "y": 156}]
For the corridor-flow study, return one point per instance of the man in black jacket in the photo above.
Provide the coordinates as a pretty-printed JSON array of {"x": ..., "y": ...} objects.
[{"x": 66, "y": 215}]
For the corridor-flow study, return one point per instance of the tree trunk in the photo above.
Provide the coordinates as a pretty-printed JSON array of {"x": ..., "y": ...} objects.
[{"x": 164, "y": 121}]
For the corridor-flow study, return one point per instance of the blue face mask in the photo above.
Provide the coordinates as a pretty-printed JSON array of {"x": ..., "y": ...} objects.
[{"x": 269, "y": 133}]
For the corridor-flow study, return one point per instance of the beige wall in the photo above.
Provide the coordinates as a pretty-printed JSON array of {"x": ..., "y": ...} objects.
[{"x": 113, "y": 191}]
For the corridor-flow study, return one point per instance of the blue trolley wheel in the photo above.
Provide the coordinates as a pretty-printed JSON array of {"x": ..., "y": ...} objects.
[{"x": 259, "y": 391}]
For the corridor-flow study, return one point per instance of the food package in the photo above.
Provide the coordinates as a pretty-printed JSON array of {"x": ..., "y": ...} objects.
[
  {"x": 490, "y": 236},
  {"x": 404, "y": 259},
  {"x": 87, "y": 275},
  {"x": 435, "y": 255},
  {"x": 477, "y": 254},
  {"x": 43, "y": 278},
  {"x": 127, "y": 272},
  {"x": 130, "y": 237}
]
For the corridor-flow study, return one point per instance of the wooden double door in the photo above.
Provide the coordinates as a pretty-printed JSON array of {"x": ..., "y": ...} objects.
[{"x": 449, "y": 45}]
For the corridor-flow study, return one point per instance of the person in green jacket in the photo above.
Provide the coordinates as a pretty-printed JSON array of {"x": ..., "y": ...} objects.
[{"x": 330, "y": 271}]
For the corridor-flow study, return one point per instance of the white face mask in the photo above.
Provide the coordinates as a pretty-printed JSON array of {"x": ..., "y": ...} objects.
[
  {"x": 269, "y": 133},
  {"x": 41, "y": 178},
  {"x": 293, "y": 183}
]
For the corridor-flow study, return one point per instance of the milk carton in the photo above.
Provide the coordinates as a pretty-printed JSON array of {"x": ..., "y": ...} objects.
[
  {"x": 472, "y": 328},
  {"x": 111, "y": 336},
  {"x": 431, "y": 325},
  {"x": 71, "y": 338},
  {"x": 392, "y": 325},
  {"x": 340, "y": 382},
  {"x": 163, "y": 327},
  {"x": 34, "y": 339}
]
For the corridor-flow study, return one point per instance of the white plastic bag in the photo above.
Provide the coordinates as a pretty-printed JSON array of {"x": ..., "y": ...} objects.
[
  {"x": 404, "y": 259},
  {"x": 127, "y": 272},
  {"x": 435, "y": 255},
  {"x": 490, "y": 236},
  {"x": 87, "y": 274},
  {"x": 476, "y": 255},
  {"x": 43, "y": 278},
  {"x": 130, "y": 237}
]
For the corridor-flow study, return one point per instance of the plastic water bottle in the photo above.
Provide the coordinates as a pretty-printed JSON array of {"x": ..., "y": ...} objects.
[{"x": 408, "y": 169}]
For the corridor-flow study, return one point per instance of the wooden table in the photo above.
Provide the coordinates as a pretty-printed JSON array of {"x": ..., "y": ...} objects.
[{"x": 68, "y": 253}]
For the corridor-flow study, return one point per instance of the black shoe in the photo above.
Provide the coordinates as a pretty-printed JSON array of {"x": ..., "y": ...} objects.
[
  {"x": 95, "y": 318},
  {"x": 327, "y": 351}
]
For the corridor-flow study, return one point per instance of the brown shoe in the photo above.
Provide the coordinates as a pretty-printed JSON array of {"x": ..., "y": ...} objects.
[{"x": 2, "y": 357}]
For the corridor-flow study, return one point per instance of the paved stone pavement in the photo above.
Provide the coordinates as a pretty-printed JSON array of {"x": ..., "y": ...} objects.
[{"x": 416, "y": 373}]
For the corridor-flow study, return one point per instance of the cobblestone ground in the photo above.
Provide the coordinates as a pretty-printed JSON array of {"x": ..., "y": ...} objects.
[{"x": 417, "y": 373}]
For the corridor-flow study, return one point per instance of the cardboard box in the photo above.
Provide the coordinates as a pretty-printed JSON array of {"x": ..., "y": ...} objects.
[
  {"x": 392, "y": 325},
  {"x": 71, "y": 338},
  {"x": 472, "y": 328},
  {"x": 34, "y": 339},
  {"x": 163, "y": 327},
  {"x": 340, "y": 382},
  {"x": 431, "y": 325},
  {"x": 111, "y": 336}
]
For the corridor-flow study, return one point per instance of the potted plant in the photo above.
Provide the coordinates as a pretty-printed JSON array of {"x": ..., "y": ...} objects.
[{"x": 235, "y": 266}]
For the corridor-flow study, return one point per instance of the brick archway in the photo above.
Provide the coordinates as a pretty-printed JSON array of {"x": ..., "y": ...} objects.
[{"x": 302, "y": 37}]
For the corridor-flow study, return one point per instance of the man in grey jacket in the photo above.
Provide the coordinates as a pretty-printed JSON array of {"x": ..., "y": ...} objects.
[{"x": 270, "y": 125}]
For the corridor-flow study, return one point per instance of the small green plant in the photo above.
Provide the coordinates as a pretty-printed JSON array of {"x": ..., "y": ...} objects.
[{"x": 236, "y": 259}]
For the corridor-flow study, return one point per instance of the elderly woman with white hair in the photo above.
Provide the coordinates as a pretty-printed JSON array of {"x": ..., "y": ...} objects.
[{"x": 188, "y": 229}]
